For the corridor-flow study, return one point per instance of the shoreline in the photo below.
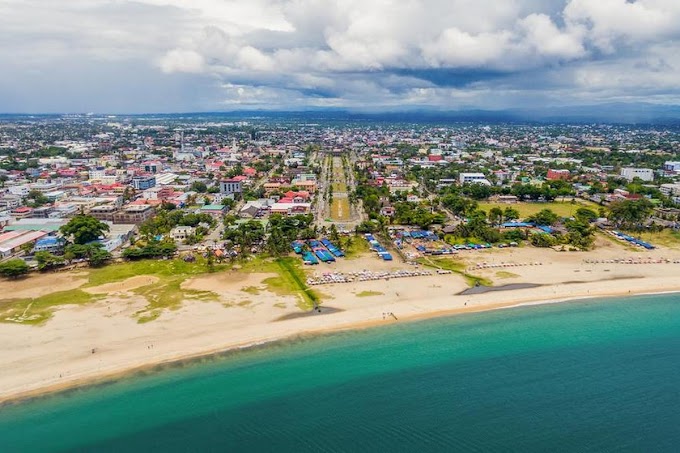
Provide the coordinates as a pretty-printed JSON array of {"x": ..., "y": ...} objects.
[{"x": 120, "y": 372}]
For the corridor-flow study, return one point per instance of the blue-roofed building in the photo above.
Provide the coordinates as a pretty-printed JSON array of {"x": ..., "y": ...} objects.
[
  {"x": 50, "y": 244},
  {"x": 517, "y": 225}
]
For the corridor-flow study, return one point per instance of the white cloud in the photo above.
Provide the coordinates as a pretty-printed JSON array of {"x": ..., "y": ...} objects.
[
  {"x": 344, "y": 52},
  {"x": 179, "y": 60}
]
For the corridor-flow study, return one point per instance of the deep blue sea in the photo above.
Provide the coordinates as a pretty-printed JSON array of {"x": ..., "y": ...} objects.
[{"x": 581, "y": 376}]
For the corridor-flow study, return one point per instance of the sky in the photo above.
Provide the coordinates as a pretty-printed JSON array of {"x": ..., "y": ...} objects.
[{"x": 124, "y": 56}]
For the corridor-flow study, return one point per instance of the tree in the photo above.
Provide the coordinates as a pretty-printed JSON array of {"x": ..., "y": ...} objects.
[
  {"x": 334, "y": 233},
  {"x": 544, "y": 217},
  {"x": 630, "y": 214},
  {"x": 93, "y": 252},
  {"x": 495, "y": 216},
  {"x": 510, "y": 214},
  {"x": 585, "y": 215},
  {"x": 37, "y": 198},
  {"x": 47, "y": 260},
  {"x": 14, "y": 268},
  {"x": 199, "y": 186},
  {"x": 542, "y": 240},
  {"x": 83, "y": 229}
]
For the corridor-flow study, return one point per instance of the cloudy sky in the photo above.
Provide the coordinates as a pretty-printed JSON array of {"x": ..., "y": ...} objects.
[{"x": 207, "y": 55}]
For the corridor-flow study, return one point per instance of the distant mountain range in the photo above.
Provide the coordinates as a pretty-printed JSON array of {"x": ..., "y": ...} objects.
[{"x": 615, "y": 113}]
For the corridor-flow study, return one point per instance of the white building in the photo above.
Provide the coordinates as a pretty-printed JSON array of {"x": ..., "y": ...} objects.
[
  {"x": 671, "y": 167},
  {"x": 645, "y": 174},
  {"x": 181, "y": 233},
  {"x": 670, "y": 190},
  {"x": 474, "y": 178}
]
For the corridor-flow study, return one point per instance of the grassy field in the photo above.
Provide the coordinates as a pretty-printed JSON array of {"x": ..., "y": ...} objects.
[
  {"x": 563, "y": 209},
  {"x": 358, "y": 248},
  {"x": 666, "y": 238},
  {"x": 166, "y": 293},
  {"x": 340, "y": 209},
  {"x": 39, "y": 310}
]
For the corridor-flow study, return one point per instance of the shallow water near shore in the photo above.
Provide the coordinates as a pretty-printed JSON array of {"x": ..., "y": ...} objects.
[{"x": 582, "y": 376}]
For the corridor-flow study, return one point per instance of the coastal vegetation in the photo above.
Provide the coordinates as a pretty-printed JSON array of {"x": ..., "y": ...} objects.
[
  {"x": 36, "y": 311},
  {"x": 369, "y": 293}
]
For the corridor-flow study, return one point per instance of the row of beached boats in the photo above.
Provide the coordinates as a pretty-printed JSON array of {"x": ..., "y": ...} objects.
[
  {"x": 363, "y": 276},
  {"x": 634, "y": 261},
  {"x": 498, "y": 265}
]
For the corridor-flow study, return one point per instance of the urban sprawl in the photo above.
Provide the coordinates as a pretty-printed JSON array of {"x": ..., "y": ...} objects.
[{"x": 87, "y": 190}]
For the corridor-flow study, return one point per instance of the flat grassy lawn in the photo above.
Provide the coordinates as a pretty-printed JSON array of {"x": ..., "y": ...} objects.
[
  {"x": 160, "y": 268},
  {"x": 37, "y": 311},
  {"x": 562, "y": 209},
  {"x": 358, "y": 248},
  {"x": 666, "y": 238},
  {"x": 340, "y": 209}
]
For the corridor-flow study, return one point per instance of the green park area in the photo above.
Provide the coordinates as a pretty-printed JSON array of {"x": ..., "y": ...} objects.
[{"x": 561, "y": 208}]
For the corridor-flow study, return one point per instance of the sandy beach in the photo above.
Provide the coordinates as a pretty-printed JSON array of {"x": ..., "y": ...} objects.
[{"x": 98, "y": 341}]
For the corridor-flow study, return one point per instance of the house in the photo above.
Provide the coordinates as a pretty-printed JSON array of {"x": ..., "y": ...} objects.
[
  {"x": 255, "y": 208},
  {"x": 387, "y": 211},
  {"x": 290, "y": 208},
  {"x": 10, "y": 201},
  {"x": 50, "y": 244},
  {"x": 558, "y": 175},
  {"x": 181, "y": 233},
  {"x": 503, "y": 199},
  {"x": 215, "y": 210}
]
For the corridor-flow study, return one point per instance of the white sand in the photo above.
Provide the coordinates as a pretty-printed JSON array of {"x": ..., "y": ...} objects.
[{"x": 59, "y": 354}]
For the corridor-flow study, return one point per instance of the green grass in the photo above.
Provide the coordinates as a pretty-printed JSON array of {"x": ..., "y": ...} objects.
[
  {"x": 358, "y": 248},
  {"x": 369, "y": 293},
  {"x": 457, "y": 267},
  {"x": 340, "y": 209},
  {"x": 505, "y": 274},
  {"x": 562, "y": 209},
  {"x": 666, "y": 238},
  {"x": 37, "y": 311},
  {"x": 167, "y": 292},
  {"x": 159, "y": 268},
  {"x": 254, "y": 290},
  {"x": 290, "y": 280}
]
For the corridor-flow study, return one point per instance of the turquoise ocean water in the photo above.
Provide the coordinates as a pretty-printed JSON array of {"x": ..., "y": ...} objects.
[{"x": 581, "y": 376}]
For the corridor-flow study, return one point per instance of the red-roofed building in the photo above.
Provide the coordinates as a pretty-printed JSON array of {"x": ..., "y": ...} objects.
[{"x": 556, "y": 175}]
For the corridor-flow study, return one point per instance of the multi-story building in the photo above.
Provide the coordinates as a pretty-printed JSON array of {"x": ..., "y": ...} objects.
[
  {"x": 473, "y": 178},
  {"x": 555, "y": 175},
  {"x": 104, "y": 212},
  {"x": 231, "y": 187},
  {"x": 143, "y": 182},
  {"x": 136, "y": 214},
  {"x": 645, "y": 174}
]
